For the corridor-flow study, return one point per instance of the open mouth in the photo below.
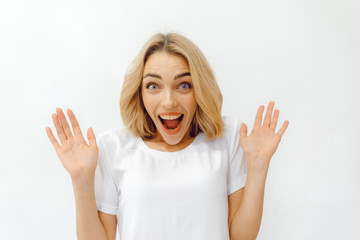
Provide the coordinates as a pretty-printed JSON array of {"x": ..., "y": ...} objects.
[{"x": 171, "y": 123}]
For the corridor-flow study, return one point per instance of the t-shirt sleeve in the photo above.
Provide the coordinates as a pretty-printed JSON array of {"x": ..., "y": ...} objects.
[
  {"x": 106, "y": 193},
  {"x": 237, "y": 161}
]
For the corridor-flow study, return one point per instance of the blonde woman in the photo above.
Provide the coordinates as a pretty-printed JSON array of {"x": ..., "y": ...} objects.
[{"x": 178, "y": 170}]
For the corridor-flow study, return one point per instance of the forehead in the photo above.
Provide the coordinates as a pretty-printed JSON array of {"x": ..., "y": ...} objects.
[{"x": 162, "y": 62}]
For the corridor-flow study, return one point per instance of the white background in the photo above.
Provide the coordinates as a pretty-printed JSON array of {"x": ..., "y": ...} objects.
[{"x": 303, "y": 54}]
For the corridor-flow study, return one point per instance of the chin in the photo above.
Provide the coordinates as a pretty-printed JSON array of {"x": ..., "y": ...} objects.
[{"x": 171, "y": 140}]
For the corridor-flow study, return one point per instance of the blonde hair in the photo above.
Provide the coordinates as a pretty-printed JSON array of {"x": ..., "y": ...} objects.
[{"x": 207, "y": 117}]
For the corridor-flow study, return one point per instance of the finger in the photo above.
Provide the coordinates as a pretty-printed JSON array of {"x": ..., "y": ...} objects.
[
  {"x": 268, "y": 114},
  {"x": 91, "y": 137},
  {"x": 58, "y": 127},
  {"x": 64, "y": 123},
  {"x": 74, "y": 123},
  {"x": 274, "y": 120},
  {"x": 258, "y": 117},
  {"x": 243, "y": 131},
  {"x": 283, "y": 128},
  {"x": 53, "y": 140}
]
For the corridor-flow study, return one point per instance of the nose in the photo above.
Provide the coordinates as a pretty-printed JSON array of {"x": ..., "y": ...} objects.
[{"x": 169, "y": 100}]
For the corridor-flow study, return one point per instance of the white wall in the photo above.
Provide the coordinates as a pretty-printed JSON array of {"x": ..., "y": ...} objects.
[{"x": 303, "y": 54}]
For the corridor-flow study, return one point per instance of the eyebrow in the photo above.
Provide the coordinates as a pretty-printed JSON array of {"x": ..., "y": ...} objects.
[{"x": 159, "y": 77}]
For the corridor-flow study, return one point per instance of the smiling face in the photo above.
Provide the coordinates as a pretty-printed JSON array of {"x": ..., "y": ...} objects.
[{"x": 168, "y": 96}]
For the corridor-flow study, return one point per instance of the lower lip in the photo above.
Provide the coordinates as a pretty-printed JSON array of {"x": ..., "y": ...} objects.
[{"x": 174, "y": 131}]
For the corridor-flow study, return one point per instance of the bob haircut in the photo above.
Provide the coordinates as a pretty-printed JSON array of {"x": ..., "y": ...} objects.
[{"x": 207, "y": 117}]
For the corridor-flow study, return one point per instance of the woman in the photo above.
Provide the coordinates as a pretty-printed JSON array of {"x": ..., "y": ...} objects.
[{"x": 178, "y": 169}]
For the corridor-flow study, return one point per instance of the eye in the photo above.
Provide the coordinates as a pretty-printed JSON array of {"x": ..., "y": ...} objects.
[
  {"x": 185, "y": 85},
  {"x": 151, "y": 86}
]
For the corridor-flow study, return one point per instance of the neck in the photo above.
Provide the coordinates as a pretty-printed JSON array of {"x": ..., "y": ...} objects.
[{"x": 158, "y": 143}]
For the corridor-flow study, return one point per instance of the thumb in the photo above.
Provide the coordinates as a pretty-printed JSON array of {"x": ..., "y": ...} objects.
[
  {"x": 91, "y": 137},
  {"x": 243, "y": 131}
]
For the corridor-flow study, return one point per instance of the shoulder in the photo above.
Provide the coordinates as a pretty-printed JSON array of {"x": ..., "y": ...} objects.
[
  {"x": 231, "y": 125},
  {"x": 231, "y": 129},
  {"x": 231, "y": 132},
  {"x": 115, "y": 138}
]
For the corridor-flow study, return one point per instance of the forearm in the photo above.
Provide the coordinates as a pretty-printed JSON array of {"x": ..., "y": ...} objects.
[
  {"x": 88, "y": 224},
  {"x": 247, "y": 220}
]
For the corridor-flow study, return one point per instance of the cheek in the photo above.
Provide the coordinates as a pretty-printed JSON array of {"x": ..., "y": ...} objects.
[
  {"x": 190, "y": 103},
  {"x": 149, "y": 102},
  {"x": 145, "y": 100}
]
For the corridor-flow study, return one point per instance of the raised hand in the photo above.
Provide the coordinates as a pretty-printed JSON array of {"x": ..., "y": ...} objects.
[
  {"x": 77, "y": 157},
  {"x": 262, "y": 143}
]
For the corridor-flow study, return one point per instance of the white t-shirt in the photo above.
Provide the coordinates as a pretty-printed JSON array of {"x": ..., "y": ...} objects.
[{"x": 179, "y": 195}]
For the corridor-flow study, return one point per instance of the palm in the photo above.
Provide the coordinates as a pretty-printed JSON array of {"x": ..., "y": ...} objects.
[
  {"x": 263, "y": 141},
  {"x": 74, "y": 155},
  {"x": 77, "y": 157}
]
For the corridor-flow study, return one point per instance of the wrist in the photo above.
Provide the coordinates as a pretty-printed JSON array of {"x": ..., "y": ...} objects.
[
  {"x": 83, "y": 180},
  {"x": 256, "y": 179},
  {"x": 258, "y": 165}
]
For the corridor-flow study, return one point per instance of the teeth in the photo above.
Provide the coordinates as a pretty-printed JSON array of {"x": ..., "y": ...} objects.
[{"x": 172, "y": 117}]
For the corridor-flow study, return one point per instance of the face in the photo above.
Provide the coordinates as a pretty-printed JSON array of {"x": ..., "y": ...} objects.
[{"x": 168, "y": 96}]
